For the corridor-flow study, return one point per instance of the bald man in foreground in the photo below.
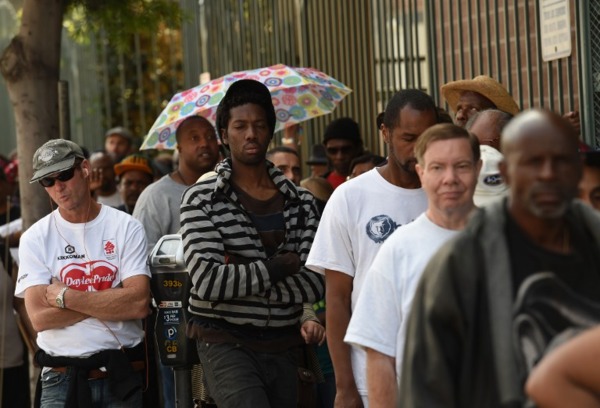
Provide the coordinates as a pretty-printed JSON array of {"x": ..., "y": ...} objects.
[{"x": 537, "y": 246}]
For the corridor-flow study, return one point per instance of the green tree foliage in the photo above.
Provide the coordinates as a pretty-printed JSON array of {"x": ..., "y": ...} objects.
[
  {"x": 30, "y": 66},
  {"x": 120, "y": 19}
]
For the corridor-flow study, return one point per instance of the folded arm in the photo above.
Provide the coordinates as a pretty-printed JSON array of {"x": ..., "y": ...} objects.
[
  {"x": 46, "y": 316},
  {"x": 219, "y": 275},
  {"x": 305, "y": 286},
  {"x": 128, "y": 302}
]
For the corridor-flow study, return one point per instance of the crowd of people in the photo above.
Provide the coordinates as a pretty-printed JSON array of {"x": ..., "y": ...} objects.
[{"x": 443, "y": 273}]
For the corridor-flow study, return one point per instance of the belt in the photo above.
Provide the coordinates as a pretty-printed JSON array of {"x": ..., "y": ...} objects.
[{"x": 96, "y": 374}]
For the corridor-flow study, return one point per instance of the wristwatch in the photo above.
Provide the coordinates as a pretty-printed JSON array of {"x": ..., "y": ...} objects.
[{"x": 60, "y": 299}]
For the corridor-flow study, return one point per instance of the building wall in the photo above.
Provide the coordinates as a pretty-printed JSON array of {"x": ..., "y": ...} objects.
[
  {"x": 378, "y": 47},
  {"x": 500, "y": 39}
]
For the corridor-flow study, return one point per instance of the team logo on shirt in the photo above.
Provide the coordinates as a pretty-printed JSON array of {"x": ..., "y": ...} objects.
[
  {"x": 493, "y": 180},
  {"x": 380, "y": 227},
  {"x": 89, "y": 276},
  {"x": 110, "y": 248}
]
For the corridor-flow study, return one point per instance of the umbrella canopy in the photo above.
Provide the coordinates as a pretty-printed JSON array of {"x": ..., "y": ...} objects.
[{"x": 299, "y": 94}]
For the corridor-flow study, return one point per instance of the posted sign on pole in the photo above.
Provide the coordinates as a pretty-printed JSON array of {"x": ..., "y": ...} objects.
[{"x": 555, "y": 29}]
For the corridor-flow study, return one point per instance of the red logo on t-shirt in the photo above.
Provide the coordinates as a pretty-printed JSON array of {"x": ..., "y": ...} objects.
[
  {"x": 89, "y": 276},
  {"x": 109, "y": 248}
]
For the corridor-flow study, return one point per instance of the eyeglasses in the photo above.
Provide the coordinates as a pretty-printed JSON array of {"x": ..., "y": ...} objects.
[
  {"x": 332, "y": 151},
  {"x": 62, "y": 176}
]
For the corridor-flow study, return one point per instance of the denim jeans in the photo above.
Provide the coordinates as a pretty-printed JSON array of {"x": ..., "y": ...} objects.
[
  {"x": 55, "y": 386},
  {"x": 238, "y": 377}
]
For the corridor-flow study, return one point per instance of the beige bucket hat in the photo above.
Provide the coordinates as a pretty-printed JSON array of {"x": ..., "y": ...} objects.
[{"x": 486, "y": 86}]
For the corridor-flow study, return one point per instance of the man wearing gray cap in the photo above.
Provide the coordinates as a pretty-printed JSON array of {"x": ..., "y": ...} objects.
[
  {"x": 118, "y": 143},
  {"x": 86, "y": 287}
]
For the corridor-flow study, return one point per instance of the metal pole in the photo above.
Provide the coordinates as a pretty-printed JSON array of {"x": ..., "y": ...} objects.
[
  {"x": 140, "y": 84},
  {"x": 432, "y": 51},
  {"x": 64, "y": 121},
  {"x": 6, "y": 295},
  {"x": 183, "y": 387},
  {"x": 586, "y": 86},
  {"x": 7, "y": 220},
  {"x": 190, "y": 35},
  {"x": 122, "y": 93}
]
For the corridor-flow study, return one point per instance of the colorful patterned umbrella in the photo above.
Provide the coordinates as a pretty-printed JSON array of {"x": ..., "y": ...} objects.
[{"x": 299, "y": 94}]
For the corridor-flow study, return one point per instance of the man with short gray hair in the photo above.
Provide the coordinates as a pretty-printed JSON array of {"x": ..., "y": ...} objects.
[{"x": 518, "y": 264}]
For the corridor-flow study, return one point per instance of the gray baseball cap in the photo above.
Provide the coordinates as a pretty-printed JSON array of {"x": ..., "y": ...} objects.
[
  {"x": 54, "y": 156},
  {"x": 120, "y": 131}
]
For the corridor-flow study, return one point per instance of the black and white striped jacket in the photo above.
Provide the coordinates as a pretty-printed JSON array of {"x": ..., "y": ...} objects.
[{"x": 215, "y": 227}]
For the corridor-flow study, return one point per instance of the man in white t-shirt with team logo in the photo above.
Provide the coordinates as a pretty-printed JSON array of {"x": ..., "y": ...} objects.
[
  {"x": 448, "y": 165},
  {"x": 360, "y": 215},
  {"x": 85, "y": 281}
]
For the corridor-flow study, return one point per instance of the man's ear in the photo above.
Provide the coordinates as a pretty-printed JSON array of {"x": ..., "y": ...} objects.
[
  {"x": 85, "y": 168},
  {"x": 385, "y": 132},
  {"x": 224, "y": 139},
  {"x": 419, "y": 170}
]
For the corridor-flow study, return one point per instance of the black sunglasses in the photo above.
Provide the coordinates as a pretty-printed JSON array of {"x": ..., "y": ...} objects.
[{"x": 62, "y": 176}]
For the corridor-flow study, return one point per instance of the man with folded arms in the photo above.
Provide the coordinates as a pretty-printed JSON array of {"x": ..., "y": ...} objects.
[
  {"x": 246, "y": 234},
  {"x": 84, "y": 278}
]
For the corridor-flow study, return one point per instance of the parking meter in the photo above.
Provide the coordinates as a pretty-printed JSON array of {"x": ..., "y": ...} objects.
[{"x": 171, "y": 290}]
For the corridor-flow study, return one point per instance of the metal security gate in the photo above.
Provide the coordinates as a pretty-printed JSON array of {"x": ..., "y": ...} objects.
[
  {"x": 500, "y": 38},
  {"x": 589, "y": 68},
  {"x": 375, "y": 47}
]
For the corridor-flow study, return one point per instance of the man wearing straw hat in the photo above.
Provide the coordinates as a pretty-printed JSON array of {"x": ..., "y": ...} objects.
[{"x": 469, "y": 96}]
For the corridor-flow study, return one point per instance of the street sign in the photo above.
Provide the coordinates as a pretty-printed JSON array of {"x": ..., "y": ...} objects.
[{"x": 555, "y": 29}]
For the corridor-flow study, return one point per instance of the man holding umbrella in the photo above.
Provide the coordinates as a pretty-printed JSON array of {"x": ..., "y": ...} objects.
[{"x": 246, "y": 235}]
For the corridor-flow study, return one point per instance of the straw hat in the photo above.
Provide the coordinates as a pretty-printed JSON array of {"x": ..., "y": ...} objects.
[{"x": 484, "y": 85}]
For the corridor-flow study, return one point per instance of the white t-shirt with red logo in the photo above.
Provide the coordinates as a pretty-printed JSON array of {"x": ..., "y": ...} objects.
[{"x": 94, "y": 256}]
